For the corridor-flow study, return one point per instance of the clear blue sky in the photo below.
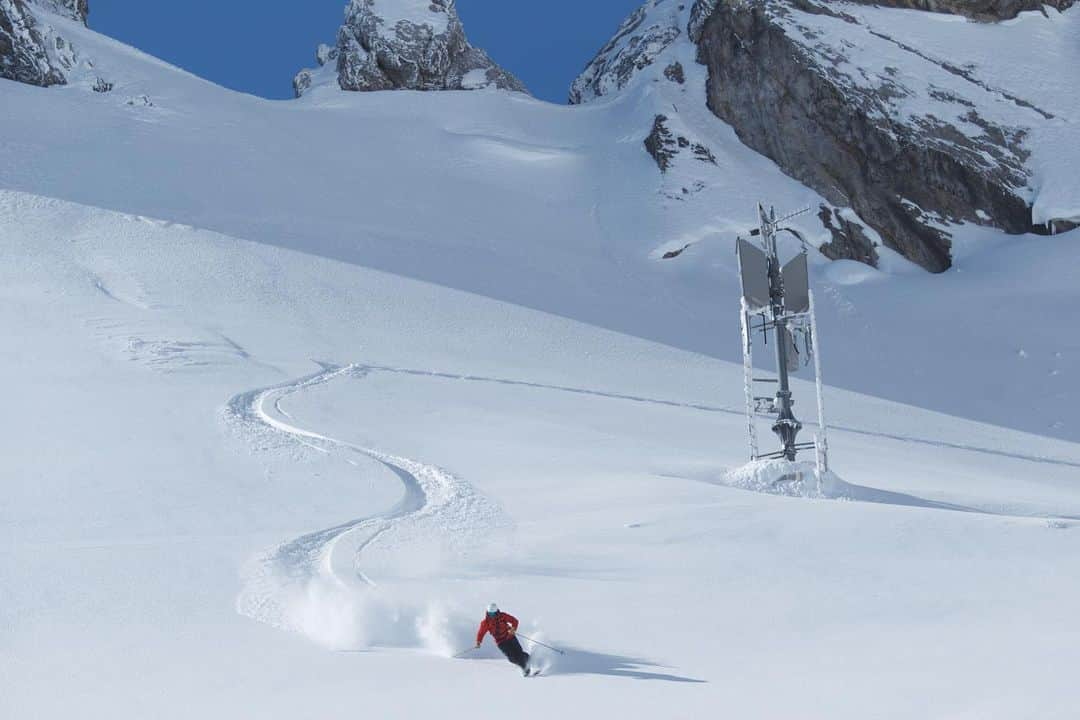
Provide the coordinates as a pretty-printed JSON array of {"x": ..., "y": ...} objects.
[{"x": 257, "y": 46}]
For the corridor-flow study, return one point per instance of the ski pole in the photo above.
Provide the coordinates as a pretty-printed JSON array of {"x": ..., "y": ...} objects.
[
  {"x": 463, "y": 653},
  {"x": 537, "y": 642}
]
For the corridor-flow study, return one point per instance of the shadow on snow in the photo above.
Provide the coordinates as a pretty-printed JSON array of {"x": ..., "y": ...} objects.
[{"x": 577, "y": 661}]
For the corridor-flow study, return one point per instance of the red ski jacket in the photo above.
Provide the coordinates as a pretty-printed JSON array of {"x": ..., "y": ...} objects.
[{"x": 499, "y": 627}]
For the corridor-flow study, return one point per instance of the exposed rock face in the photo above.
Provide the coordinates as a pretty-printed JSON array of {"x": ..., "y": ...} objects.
[
  {"x": 407, "y": 45},
  {"x": 74, "y": 9},
  {"x": 32, "y": 51},
  {"x": 913, "y": 139},
  {"x": 699, "y": 14},
  {"x": 905, "y": 176},
  {"x": 661, "y": 144},
  {"x": 665, "y": 145},
  {"x": 987, "y": 10},
  {"x": 849, "y": 240}
]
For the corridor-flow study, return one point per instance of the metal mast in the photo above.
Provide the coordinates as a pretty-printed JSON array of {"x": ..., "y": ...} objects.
[
  {"x": 777, "y": 300},
  {"x": 787, "y": 427}
]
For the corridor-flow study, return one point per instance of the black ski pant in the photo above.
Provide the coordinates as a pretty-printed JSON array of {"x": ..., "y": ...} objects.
[{"x": 513, "y": 652}]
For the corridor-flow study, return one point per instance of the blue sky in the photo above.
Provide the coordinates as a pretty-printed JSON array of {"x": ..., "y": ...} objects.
[{"x": 257, "y": 46}]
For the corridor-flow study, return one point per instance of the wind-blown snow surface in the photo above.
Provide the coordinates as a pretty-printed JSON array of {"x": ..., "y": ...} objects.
[
  {"x": 583, "y": 485},
  {"x": 280, "y": 396}
]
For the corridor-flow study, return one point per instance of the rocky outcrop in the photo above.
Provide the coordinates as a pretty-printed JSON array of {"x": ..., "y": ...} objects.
[
  {"x": 406, "y": 45},
  {"x": 326, "y": 56},
  {"x": 664, "y": 145},
  {"x": 985, "y": 10},
  {"x": 32, "y": 51},
  {"x": 73, "y": 9},
  {"x": 908, "y": 176},
  {"x": 849, "y": 239}
]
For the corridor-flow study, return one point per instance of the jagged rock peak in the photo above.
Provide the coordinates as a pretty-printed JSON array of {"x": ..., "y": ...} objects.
[
  {"x": 642, "y": 37},
  {"x": 405, "y": 45},
  {"x": 31, "y": 49}
]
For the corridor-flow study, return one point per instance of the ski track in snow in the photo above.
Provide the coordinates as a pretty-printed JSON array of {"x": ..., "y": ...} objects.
[
  {"x": 434, "y": 502},
  {"x": 840, "y": 490}
]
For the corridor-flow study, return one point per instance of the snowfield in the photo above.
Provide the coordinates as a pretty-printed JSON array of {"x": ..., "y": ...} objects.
[{"x": 296, "y": 389}]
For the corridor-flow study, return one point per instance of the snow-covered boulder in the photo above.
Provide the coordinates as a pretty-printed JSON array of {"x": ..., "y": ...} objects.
[
  {"x": 32, "y": 49},
  {"x": 405, "y": 45}
]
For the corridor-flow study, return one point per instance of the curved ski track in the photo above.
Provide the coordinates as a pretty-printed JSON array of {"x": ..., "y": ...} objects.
[{"x": 434, "y": 501}]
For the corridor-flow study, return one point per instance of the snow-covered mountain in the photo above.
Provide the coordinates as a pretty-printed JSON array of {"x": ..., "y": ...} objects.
[
  {"x": 404, "y": 45},
  {"x": 295, "y": 389},
  {"x": 903, "y": 118}
]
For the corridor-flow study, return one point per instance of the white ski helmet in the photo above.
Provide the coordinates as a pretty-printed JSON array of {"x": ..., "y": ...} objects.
[{"x": 492, "y": 609}]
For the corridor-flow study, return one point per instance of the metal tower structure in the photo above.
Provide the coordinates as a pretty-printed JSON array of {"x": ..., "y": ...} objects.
[{"x": 778, "y": 303}]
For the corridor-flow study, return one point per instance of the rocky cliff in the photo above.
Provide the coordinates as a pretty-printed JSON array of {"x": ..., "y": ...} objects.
[
  {"x": 985, "y": 10},
  {"x": 917, "y": 135},
  {"x": 32, "y": 50},
  {"x": 74, "y": 9},
  {"x": 404, "y": 45}
]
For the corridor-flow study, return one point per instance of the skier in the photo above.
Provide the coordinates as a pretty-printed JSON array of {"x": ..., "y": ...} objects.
[{"x": 503, "y": 627}]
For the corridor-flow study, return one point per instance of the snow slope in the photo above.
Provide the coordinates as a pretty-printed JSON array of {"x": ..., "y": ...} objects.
[
  {"x": 570, "y": 474},
  {"x": 295, "y": 389}
]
